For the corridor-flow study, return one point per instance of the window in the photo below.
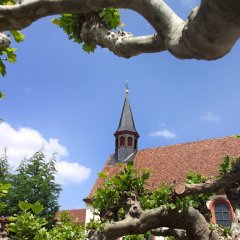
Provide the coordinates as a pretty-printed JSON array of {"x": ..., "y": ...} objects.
[
  {"x": 122, "y": 141},
  {"x": 130, "y": 141},
  {"x": 222, "y": 214},
  {"x": 116, "y": 143}
]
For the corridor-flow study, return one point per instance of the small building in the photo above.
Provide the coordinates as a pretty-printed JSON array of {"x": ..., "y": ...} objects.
[{"x": 78, "y": 216}]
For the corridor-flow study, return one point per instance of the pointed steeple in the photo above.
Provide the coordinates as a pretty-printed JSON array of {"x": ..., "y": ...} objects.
[
  {"x": 126, "y": 134},
  {"x": 126, "y": 122}
]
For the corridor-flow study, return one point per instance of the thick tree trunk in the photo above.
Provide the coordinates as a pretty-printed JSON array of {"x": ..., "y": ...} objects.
[{"x": 209, "y": 33}]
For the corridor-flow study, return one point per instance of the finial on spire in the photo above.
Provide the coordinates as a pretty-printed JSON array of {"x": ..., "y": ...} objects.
[{"x": 126, "y": 88}]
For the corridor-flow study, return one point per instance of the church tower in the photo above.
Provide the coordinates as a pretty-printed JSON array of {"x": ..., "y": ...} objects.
[{"x": 126, "y": 136}]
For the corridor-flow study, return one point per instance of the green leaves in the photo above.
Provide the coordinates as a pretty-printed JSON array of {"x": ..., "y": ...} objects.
[
  {"x": 34, "y": 182},
  {"x": 26, "y": 225},
  {"x": 24, "y": 206},
  {"x": 18, "y": 36},
  {"x": 2, "y": 94},
  {"x": 9, "y": 55},
  {"x": 2, "y": 68},
  {"x": 159, "y": 197},
  {"x": 111, "y": 17},
  {"x": 89, "y": 48},
  {"x": 227, "y": 165},
  {"x": 37, "y": 207},
  {"x": 193, "y": 177},
  {"x": 70, "y": 25},
  {"x": 116, "y": 188}
]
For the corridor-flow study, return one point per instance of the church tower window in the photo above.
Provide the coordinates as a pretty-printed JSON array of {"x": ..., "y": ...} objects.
[
  {"x": 122, "y": 141},
  {"x": 130, "y": 141}
]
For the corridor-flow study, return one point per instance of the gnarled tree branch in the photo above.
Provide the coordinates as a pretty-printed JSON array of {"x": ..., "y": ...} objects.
[
  {"x": 209, "y": 33},
  {"x": 211, "y": 185},
  {"x": 121, "y": 43},
  {"x": 190, "y": 220}
]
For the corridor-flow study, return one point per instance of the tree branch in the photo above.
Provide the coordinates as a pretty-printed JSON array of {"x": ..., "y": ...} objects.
[
  {"x": 165, "y": 232},
  {"x": 211, "y": 185},
  {"x": 121, "y": 43},
  {"x": 190, "y": 220},
  {"x": 22, "y": 15},
  {"x": 209, "y": 33}
]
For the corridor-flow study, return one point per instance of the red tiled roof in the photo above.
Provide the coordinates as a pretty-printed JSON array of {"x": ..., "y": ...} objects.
[
  {"x": 172, "y": 163},
  {"x": 77, "y": 215}
]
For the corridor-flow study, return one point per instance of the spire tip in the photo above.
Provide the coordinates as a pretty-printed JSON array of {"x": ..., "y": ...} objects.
[{"x": 126, "y": 88}]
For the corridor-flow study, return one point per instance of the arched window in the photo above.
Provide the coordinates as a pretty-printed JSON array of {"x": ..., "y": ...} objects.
[
  {"x": 222, "y": 213},
  {"x": 130, "y": 141},
  {"x": 116, "y": 143},
  {"x": 122, "y": 141}
]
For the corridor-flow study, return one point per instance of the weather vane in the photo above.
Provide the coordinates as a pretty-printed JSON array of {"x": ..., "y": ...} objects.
[{"x": 126, "y": 87}]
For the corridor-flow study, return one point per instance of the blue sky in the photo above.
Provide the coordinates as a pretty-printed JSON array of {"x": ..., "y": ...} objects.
[{"x": 70, "y": 101}]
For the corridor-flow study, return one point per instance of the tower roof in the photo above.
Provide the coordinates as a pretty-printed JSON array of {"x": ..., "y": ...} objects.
[{"x": 126, "y": 122}]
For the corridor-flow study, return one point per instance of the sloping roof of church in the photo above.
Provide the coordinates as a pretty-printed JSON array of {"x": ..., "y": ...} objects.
[
  {"x": 77, "y": 215},
  {"x": 126, "y": 121},
  {"x": 171, "y": 164}
]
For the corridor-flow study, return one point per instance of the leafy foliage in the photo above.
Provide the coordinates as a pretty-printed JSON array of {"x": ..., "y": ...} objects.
[
  {"x": 159, "y": 197},
  {"x": 18, "y": 36},
  {"x": 3, "y": 191},
  {"x": 4, "y": 168},
  {"x": 34, "y": 181},
  {"x": 7, "y": 54},
  {"x": 2, "y": 94},
  {"x": 227, "y": 165},
  {"x": 196, "y": 200},
  {"x": 27, "y": 224},
  {"x": 113, "y": 193},
  {"x": 66, "y": 229},
  {"x": 111, "y": 17},
  {"x": 72, "y": 24},
  {"x": 193, "y": 178}
]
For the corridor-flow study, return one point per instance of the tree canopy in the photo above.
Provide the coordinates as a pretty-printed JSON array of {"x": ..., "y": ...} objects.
[{"x": 34, "y": 181}]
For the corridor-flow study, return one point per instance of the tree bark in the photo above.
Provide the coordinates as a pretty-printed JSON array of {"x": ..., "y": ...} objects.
[
  {"x": 190, "y": 220},
  {"x": 165, "y": 232},
  {"x": 4, "y": 41},
  {"x": 209, "y": 32}
]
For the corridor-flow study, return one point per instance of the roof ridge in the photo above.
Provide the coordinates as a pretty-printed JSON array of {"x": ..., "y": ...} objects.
[{"x": 185, "y": 143}]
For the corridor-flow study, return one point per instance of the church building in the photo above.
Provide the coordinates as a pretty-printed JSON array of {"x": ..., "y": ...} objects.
[{"x": 171, "y": 164}]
